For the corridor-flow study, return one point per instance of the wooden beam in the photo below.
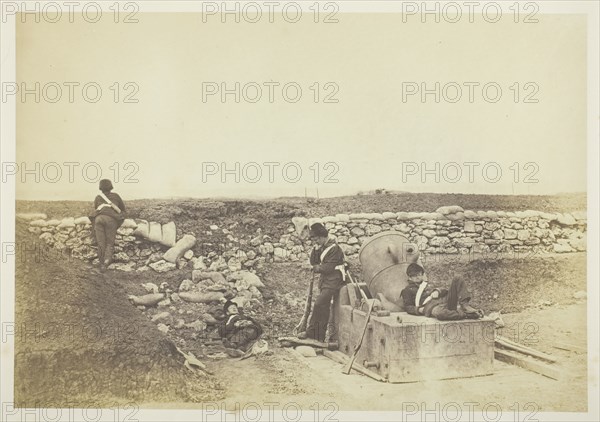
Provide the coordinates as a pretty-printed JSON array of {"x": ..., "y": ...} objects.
[
  {"x": 308, "y": 342},
  {"x": 339, "y": 357},
  {"x": 509, "y": 344},
  {"x": 352, "y": 294},
  {"x": 528, "y": 363},
  {"x": 569, "y": 347}
]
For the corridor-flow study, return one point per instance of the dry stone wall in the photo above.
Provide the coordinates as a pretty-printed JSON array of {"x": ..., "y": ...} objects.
[
  {"x": 452, "y": 230},
  {"x": 142, "y": 245}
]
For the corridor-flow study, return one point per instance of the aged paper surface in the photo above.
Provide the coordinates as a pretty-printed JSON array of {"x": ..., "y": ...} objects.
[{"x": 165, "y": 161}]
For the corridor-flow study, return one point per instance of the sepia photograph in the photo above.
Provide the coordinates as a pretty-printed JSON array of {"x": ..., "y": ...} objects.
[{"x": 299, "y": 210}]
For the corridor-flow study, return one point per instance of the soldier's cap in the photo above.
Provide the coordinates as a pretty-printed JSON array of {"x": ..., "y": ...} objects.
[
  {"x": 414, "y": 269},
  {"x": 105, "y": 185},
  {"x": 228, "y": 304},
  {"x": 318, "y": 230}
]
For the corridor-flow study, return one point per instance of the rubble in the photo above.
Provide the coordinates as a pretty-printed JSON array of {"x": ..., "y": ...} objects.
[{"x": 229, "y": 264}]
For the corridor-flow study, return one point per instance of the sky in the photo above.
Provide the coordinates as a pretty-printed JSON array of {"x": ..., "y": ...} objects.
[{"x": 358, "y": 124}]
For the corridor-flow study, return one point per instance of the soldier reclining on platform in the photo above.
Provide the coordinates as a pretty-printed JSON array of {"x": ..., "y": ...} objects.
[{"x": 445, "y": 305}]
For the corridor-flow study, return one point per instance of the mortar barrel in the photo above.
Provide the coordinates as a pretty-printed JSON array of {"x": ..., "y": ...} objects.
[{"x": 384, "y": 259}]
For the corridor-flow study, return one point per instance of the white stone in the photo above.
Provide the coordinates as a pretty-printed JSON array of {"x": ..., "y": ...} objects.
[
  {"x": 402, "y": 215},
  {"x": 186, "y": 285},
  {"x": 450, "y": 209},
  {"x": 129, "y": 223},
  {"x": 342, "y": 218},
  {"x": 429, "y": 233},
  {"x": 38, "y": 223},
  {"x": 562, "y": 248},
  {"x": 162, "y": 266},
  {"x": 150, "y": 287},
  {"x": 189, "y": 254},
  {"x": 306, "y": 351},
  {"x": 280, "y": 252},
  {"x": 161, "y": 316},
  {"x": 82, "y": 221},
  {"x": 566, "y": 219},
  {"x": 352, "y": 240},
  {"x": 197, "y": 325},
  {"x": 435, "y": 216},
  {"x": 250, "y": 279},
  {"x": 357, "y": 231},
  {"x": 579, "y": 244},
  {"x": 234, "y": 264},
  {"x": 454, "y": 217},
  {"x": 32, "y": 216},
  {"x": 372, "y": 229},
  {"x": 67, "y": 223},
  {"x": 548, "y": 216},
  {"x": 301, "y": 226}
]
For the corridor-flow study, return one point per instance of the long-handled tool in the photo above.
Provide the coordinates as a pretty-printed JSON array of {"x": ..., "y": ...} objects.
[
  {"x": 348, "y": 367},
  {"x": 357, "y": 348},
  {"x": 356, "y": 285},
  {"x": 307, "y": 308}
]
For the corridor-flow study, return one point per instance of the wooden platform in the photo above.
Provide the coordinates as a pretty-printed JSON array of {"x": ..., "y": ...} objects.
[{"x": 407, "y": 348}]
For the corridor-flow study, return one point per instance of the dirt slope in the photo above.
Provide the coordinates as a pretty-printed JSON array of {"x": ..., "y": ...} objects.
[{"x": 80, "y": 341}]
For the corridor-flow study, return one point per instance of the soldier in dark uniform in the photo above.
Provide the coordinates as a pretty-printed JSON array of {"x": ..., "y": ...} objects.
[
  {"x": 238, "y": 331},
  {"x": 327, "y": 259},
  {"x": 109, "y": 213},
  {"x": 442, "y": 304}
]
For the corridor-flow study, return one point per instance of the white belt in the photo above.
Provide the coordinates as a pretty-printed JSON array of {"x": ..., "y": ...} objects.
[{"x": 342, "y": 269}]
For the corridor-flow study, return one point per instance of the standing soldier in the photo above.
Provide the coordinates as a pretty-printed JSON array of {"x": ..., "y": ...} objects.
[
  {"x": 327, "y": 259},
  {"x": 108, "y": 216}
]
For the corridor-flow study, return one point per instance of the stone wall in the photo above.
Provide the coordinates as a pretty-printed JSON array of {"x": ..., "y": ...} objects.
[
  {"x": 142, "y": 245},
  {"x": 452, "y": 230}
]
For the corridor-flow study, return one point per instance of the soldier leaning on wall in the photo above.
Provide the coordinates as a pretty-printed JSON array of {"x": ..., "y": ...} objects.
[{"x": 109, "y": 214}]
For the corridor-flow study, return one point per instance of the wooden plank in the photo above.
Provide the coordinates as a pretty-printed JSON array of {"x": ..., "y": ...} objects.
[
  {"x": 504, "y": 342},
  {"x": 527, "y": 363},
  {"x": 339, "y": 357},
  {"x": 569, "y": 347},
  {"x": 352, "y": 294},
  {"x": 308, "y": 342}
]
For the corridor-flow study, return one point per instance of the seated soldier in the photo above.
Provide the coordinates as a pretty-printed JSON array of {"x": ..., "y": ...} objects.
[
  {"x": 445, "y": 305},
  {"x": 238, "y": 331}
]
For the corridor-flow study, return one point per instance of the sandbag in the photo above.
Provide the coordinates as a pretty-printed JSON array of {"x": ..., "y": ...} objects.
[
  {"x": 142, "y": 229},
  {"x": 169, "y": 234},
  {"x": 147, "y": 300},
  {"x": 184, "y": 244},
  {"x": 155, "y": 233},
  {"x": 198, "y": 297}
]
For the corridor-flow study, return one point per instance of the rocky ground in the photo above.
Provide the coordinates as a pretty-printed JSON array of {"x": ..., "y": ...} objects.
[
  {"x": 105, "y": 349},
  {"x": 195, "y": 215}
]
